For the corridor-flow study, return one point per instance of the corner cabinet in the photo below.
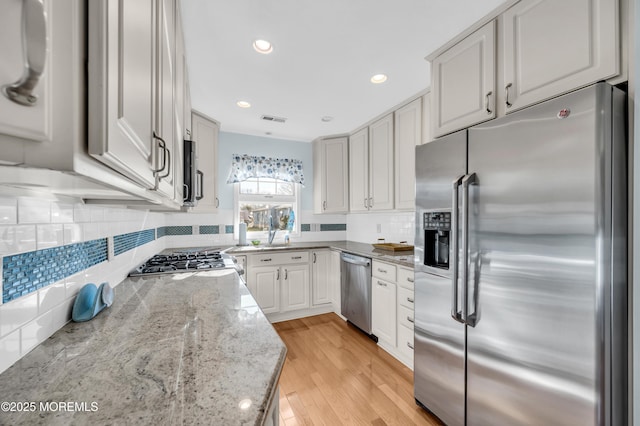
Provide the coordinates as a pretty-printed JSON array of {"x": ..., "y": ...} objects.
[
  {"x": 371, "y": 175},
  {"x": 408, "y": 134},
  {"x": 580, "y": 39},
  {"x": 331, "y": 174},
  {"x": 205, "y": 133},
  {"x": 463, "y": 82}
]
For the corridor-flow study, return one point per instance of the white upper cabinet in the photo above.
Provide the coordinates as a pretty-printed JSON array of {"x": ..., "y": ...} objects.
[
  {"x": 205, "y": 134},
  {"x": 551, "y": 47},
  {"x": 359, "y": 171},
  {"x": 463, "y": 82},
  {"x": 331, "y": 168},
  {"x": 408, "y": 134},
  {"x": 381, "y": 181},
  {"x": 427, "y": 135},
  {"x": 122, "y": 88}
]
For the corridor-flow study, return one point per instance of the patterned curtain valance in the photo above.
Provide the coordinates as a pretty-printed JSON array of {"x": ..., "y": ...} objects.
[{"x": 244, "y": 167}]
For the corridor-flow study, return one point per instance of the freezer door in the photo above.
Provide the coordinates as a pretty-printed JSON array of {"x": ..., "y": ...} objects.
[
  {"x": 538, "y": 241},
  {"x": 439, "y": 339}
]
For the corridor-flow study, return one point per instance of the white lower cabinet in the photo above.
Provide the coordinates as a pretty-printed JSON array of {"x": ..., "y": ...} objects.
[
  {"x": 383, "y": 311},
  {"x": 295, "y": 287},
  {"x": 334, "y": 282},
  {"x": 321, "y": 277},
  {"x": 264, "y": 284}
]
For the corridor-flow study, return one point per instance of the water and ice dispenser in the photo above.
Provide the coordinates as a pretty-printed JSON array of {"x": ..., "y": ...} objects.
[{"x": 437, "y": 229}]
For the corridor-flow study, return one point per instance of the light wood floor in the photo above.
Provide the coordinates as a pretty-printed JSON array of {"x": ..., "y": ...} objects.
[{"x": 335, "y": 375}]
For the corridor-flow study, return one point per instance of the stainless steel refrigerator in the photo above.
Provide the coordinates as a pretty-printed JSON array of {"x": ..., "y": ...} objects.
[{"x": 521, "y": 267}]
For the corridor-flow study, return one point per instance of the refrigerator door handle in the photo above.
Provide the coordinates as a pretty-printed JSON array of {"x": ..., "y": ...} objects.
[
  {"x": 468, "y": 180},
  {"x": 456, "y": 313}
]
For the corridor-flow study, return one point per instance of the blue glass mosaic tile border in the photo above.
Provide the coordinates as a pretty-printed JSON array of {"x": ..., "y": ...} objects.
[
  {"x": 209, "y": 229},
  {"x": 228, "y": 229},
  {"x": 27, "y": 272},
  {"x": 174, "y": 230},
  {"x": 333, "y": 227},
  {"x": 125, "y": 242},
  {"x": 305, "y": 227}
]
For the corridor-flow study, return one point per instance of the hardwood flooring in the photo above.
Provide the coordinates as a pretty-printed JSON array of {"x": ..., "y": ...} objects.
[{"x": 335, "y": 375}]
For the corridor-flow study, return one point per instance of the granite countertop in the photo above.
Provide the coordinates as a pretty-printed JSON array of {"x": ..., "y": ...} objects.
[
  {"x": 173, "y": 349},
  {"x": 404, "y": 258}
]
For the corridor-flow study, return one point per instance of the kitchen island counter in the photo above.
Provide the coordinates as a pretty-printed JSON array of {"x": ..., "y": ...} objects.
[{"x": 173, "y": 349}]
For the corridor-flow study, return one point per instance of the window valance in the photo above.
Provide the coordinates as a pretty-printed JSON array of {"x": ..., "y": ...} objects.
[{"x": 245, "y": 166}]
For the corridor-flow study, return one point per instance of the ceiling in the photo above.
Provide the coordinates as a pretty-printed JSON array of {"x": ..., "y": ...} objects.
[{"x": 324, "y": 53}]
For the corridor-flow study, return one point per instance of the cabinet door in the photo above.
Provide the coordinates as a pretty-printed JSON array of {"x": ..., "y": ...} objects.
[
  {"x": 427, "y": 135},
  {"x": 359, "y": 171},
  {"x": 166, "y": 179},
  {"x": 205, "y": 134},
  {"x": 122, "y": 87},
  {"x": 321, "y": 277},
  {"x": 383, "y": 311},
  {"x": 334, "y": 177},
  {"x": 33, "y": 120},
  {"x": 463, "y": 83},
  {"x": 264, "y": 284},
  {"x": 381, "y": 186},
  {"x": 552, "y": 47},
  {"x": 408, "y": 134},
  {"x": 295, "y": 287},
  {"x": 334, "y": 281}
]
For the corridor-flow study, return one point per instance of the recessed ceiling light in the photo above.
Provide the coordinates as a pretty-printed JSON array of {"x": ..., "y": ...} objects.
[
  {"x": 326, "y": 118},
  {"x": 263, "y": 46},
  {"x": 378, "y": 78},
  {"x": 243, "y": 104}
]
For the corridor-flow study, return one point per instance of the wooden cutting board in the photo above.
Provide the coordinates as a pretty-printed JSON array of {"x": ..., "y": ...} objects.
[{"x": 393, "y": 246}]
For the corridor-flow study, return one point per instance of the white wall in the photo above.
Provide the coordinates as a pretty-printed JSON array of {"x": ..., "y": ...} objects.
[{"x": 393, "y": 227}]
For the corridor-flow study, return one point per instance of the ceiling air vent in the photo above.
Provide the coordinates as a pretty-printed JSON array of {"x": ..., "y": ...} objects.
[{"x": 273, "y": 118}]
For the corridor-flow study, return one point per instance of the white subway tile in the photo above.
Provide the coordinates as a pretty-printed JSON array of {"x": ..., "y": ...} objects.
[
  {"x": 17, "y": 239},
  {"x": 61, "y": 213},
  {"x": 62, "y": 314},
  {"x": 34, "y": 210},
  {"x": 81, "y": 213},
  {"x": 50, "y": 296},
  {"x": 35, "y": 332},
  {"x": 9, "y": 350},
  {"x": 93, "y": 231},
  {"x": 49, "y": 236},
  {"x": 18, "y": 312},
  {"x": 8, "y": 210},
  {"x": 97, "y": 214},
  {"x": 72, "y": 233},
  {"x": 74, "y": 283}
]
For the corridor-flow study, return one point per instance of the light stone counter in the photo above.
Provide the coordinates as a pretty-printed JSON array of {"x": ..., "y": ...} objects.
[
  {"x": 403, "y": 258},
  {"x": 197, "y": 350}
]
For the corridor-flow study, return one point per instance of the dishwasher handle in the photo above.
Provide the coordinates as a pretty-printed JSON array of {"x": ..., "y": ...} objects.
[{"x": 359, "y": 261}]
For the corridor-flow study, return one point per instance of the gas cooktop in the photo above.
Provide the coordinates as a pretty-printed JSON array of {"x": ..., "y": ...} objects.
[{"x": 190, "y": 260}]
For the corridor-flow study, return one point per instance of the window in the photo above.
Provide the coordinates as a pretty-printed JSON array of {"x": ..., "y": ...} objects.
[{"x": 259, "y": 199}]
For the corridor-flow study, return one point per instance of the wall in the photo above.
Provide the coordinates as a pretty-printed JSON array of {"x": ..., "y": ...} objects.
[{"x": 393, "y": 227}]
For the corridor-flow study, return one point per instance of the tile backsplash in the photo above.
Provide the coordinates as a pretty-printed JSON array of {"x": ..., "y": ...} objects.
[{"x": 51, "y": 248}]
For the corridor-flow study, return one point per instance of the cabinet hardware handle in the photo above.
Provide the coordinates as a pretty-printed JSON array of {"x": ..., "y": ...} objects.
[
  {"x": 365, "y": 204},
  {"x": 410, "y": 345},
  {"x": 324, "y": 205},
  {"x": 382, "y": 284},
  {"x": 410, "y": 279},
  {"x": 201, "y": 179},
  {"x": 486, "y": 102},
  {"x": 409, "y": 319},
  {"x": 286, "y": 274},
  {"x": 265, "y": 260},
  {"x": 278, "y": 275},
  {"x": 296, "y": 257},
  {"x": 168, "y": 157},
  {"x": 162, "y": 146},
  {"x": 185, "y": 192},
  {"x": 314, "y": 258},
  {"x": 410, "y": 300},
  {"x": 370, "y": 203},
  {"x": 384, "y": 271},
  {"x": 217, "y": 202},
  {"x": 34, "y": 47},
  {"x": 506, "y": 95}
]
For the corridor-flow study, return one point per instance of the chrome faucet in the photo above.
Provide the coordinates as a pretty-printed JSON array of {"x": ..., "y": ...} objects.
[{"x": 272, "y": 229}]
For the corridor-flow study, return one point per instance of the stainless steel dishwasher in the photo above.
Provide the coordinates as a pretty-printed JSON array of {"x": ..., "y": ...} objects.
[{"x": 355, "y": 284}]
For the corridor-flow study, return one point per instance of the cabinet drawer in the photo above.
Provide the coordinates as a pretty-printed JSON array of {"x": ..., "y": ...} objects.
[
  {"x": 405, "y": 342},
  {"x": 405, "y": 297},
  {"x": 405, "y": 316},
  {"x": 405, "y": 277},
  {"x": 287, "y": 258},
  {"x": 384, "y": 270}
]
